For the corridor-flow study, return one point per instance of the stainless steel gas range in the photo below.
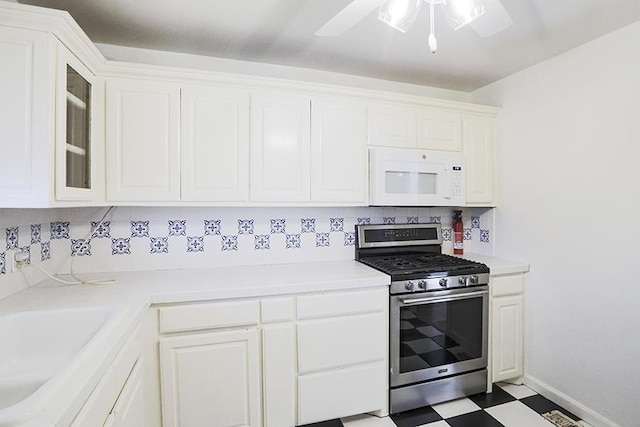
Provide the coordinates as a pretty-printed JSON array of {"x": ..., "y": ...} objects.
[{"x": 438, "y": 310}]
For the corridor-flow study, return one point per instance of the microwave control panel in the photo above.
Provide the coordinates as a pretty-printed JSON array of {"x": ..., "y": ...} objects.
[{"x": 456, "y": 181}]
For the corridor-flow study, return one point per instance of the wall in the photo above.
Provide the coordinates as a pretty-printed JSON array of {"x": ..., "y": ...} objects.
[
  {"x": 134, "y": 239},
  {"x": 568, "y": 182}
]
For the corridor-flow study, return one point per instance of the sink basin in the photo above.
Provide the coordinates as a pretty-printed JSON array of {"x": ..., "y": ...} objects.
[{"x": 36, "y": 348}]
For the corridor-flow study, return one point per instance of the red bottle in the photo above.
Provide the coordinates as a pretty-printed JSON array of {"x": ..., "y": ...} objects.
[{"x": 458, "y": 234}]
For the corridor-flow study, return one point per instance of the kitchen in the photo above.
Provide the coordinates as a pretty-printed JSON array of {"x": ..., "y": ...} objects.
[{"x": 551, "y": 161}]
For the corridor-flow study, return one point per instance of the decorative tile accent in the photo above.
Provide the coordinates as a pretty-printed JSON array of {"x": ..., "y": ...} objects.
[
  {"x": 446, "y": 234},
  {"x": 412, "y": 220},
  {"x": 350, "y": 238},
  {"x": 293, "y": 241},
  {"x": 12, "y": 238},
  {"x": 308, "y": 225},
  {"x": 195, "y": 244},
  {"x": 159, "y": 245},
  {"x": 364, "y": 221},
  {"x": 36, "y": 233},
  {"x": 103, "y": 231},
  {"x": 60, "y": 230},
  {"x": 484, "y": 236},
  {"x": 177, "y": 227},
  {"x": 80, "y": 247},
  {"x": 277, "y": 226},
  {"x": 336, "y": 224},
  {"x": 245, "y": 226},
  {"x": 27, "y": 250},
  {"x": 475, "y": 222},
  {"x": 139, "y": 228},
  {"x": 322, "y": 240},
  {"x": 389, "y": 220},
  {"x": 212, "y": 227},
  {"x": 45, "y": 251},
  {"x": 121, "y": 246},
  {"x": 261, "y": 241},
  {"x": 466, "y": 234},
  {"x": 435, "y": 219},
  {"x": 3, "y": 263},
  {"x": 229, "y": 243}
]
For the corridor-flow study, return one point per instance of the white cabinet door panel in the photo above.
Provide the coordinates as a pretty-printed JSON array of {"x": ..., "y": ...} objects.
[
  {"x": 143, "y": 140},
  {"x": 129, "y": 409},
  {"x": 478, "y": 151},
  {"x": 439, "y": 130},
  {"x": 507, "y": 338},
  {"x": 279, "y": 375},
  {"x": 391, "y": 125},
  {"x": 215, "y": 144}
]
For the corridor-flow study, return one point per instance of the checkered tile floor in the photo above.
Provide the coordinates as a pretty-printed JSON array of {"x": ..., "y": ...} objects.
[{"x": 508, "y": 406}]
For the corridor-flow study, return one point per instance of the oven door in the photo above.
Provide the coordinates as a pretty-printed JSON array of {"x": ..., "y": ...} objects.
[{"x": 438, "y": 334}]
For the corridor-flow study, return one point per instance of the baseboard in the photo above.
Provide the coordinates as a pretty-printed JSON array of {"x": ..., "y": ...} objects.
[{"x": 585, "y": 413}]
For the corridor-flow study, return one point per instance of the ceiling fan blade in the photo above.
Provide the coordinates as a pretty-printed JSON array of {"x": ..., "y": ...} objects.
[
  {"x": 495, "y": 20},
  {"x": 353, "y": 13}
]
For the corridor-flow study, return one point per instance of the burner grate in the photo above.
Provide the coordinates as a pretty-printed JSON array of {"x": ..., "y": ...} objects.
[{"x": 418, "y": 263}]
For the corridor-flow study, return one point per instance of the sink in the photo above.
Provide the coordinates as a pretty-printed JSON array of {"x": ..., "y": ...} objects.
[{"x": 39, "y": 347}]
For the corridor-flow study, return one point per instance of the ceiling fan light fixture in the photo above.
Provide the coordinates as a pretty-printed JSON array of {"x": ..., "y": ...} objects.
[
  {"x": 400, "y": 14},
  {"x": 462, "y": 12}
]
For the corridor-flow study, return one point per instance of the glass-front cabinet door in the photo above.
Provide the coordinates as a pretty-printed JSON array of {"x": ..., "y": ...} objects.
[{"x": 74, "y": 130}]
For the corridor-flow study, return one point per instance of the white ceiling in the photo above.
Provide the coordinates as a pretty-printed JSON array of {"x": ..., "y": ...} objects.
[{"x": 281, "y": 32}]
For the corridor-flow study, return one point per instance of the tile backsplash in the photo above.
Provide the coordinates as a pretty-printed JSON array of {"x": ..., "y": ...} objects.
[{"x": 133, "y": 239}]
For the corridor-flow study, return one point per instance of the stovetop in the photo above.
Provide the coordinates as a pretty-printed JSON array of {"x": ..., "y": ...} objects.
[{"x": 413, "y": 265}]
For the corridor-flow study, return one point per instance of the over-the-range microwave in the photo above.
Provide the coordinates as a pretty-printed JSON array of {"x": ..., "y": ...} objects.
[{"x": 412, "y": 177}]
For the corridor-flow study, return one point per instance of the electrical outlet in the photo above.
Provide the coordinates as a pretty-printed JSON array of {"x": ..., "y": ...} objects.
[{"x": 15, "y": 260}]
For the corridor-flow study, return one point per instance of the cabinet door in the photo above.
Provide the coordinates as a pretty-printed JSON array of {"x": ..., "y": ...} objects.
[
  {"x": 507, "y": 338},
  {"x": 143, "y": 140},
  {"x": 280, "y": 136},
  {"x": 279, "y": 364},
  {"x": 211, "y": 378},
  {"x": 338, "y": 151},
  {"x": 391, "y": 125},
  {"x": 214, "y": 144},
  {"x": 478, "y": 150},
  {"x": 439, "y": 130},
  {"x": 129, "y": 409}
]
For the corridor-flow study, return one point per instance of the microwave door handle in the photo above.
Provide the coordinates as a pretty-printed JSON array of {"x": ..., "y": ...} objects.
[{"x": 447, "y": 184}]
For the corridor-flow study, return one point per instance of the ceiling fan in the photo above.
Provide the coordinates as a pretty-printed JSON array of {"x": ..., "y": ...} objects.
[{"x": 486, "y": 17}]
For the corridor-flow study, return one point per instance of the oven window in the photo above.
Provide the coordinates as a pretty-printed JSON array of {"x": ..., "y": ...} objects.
[
  {"x": 398, "y": 182},
  {"x": 440, "y": 333}
]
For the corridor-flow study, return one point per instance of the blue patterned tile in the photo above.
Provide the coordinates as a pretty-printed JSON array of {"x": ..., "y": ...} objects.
[
  {"x": 139, "y": 228},
  {"x": 45, "y": 251},
  {"x": 484, "y": 236},
  {"x": 308, "y": 225},
  {"x": 412, "y": 220},
  {"x": 336, "y": 224},
  {"x": 293, "y": 241},
  {"x": 60, "y": 230},
  {"x": 121, "y": 246},
  {"x": 3, "y": 263},
  {"x": 389, "y": 220},
  {"x": 350, "y": 238},
  {"x": 103, "y": 231},
  {"x": 363, "y": 221},
  {"x": 446, "y": 234},
  {"x": 245, "y": 226},
  {"x": 159, "y": 245},
  {"x": 466, "y": 234},
  {"x": 278, "y": 225},
  {"x": 36, "y": 233},
  {"x": 322, "y": 240},
  {"x": 177, "y": 227},
  {"x": 212, "y": 227},
  {"x": 195, "y": 244},
  {"x": 261, "y": 241},
  {"x": 229, "y": 243},
  {"x": 80, "y": 247},
  {"x": 475, "y": 222},
  {"x": 12, "y": 238},
  {"x": 435, "y": 219}
]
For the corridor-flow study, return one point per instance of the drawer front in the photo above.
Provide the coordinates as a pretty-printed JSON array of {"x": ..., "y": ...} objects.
[
  {"x": 343, "y": 341},
  {"x": 208, "y": 316},
  {"x": 277, "y": 310},
  {"x": 507, "y": 285},
  {"x": 341, "y": 303}
]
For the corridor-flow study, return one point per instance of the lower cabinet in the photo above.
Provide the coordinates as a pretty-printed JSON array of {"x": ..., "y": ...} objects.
[{"x": 507, "y": 327}]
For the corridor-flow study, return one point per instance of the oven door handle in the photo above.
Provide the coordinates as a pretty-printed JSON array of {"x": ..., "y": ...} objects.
[{"x": 429, "y": 300}]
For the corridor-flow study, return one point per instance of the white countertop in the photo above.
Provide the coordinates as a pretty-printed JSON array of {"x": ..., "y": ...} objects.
[{"x": 498, "y": 266}]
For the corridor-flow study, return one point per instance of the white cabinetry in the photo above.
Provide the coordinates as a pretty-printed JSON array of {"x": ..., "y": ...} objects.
[
  {"x": 507, "y": 303},
  {"x": 479, "y": 154}
]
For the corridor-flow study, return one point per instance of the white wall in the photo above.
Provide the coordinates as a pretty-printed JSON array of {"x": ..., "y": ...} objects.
[{"x": 569, "y": 152}]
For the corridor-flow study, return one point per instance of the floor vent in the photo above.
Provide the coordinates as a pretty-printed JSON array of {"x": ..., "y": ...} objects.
[{"x": 559, "y": 419}]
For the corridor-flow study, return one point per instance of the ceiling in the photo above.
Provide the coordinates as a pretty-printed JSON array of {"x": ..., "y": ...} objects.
[{"x": 282, "y": 32}]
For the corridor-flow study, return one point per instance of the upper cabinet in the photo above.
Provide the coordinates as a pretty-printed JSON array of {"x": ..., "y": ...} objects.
[{"x": 479, "y": 154}]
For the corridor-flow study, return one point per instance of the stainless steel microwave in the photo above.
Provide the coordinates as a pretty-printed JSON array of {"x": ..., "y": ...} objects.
[{"x": 411, "y": 177}]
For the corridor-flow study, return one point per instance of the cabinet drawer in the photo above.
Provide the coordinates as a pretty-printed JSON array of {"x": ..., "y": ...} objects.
[
  {"x": 343, "y": 341},
  {"x": 277, "y": 310},
  {"x": 208, "y": 316},
  {"x": 507, "y": 285},
  {"x": 336, "y": 304}
]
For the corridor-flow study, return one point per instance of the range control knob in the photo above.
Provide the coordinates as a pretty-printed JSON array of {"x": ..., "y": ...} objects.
[
  {"x": 422, "y": 284},
  {"x": 474, "y": 280},
  {"x": 443, "y": 282},
  {"x": 408, "y": 286},
  {"x": 462, "y": 281}
]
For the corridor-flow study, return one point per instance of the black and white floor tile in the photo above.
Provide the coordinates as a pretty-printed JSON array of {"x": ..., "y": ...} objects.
[{"x": 507, "y": 406}]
